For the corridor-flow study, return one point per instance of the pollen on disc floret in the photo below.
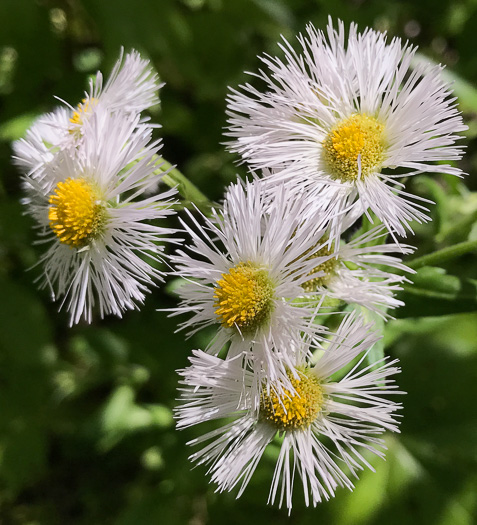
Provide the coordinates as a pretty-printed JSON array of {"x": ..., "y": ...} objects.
[
  {"x": 76, "y": 213},
  {"x": 244, "y": 297},
  {"x": 328, "y": 267},
  {"x": 293, "y": 410},
  {"x": 359, "y": 137},
  {"x": 84, "y": 108}
]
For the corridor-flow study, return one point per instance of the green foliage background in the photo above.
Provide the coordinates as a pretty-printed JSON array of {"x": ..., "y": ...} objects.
[{"x": 86, "y": 429}]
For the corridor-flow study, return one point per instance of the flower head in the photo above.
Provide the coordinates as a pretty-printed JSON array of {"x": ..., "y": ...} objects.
[
  {"x": 325, "y": 423},
  {"x": 340, "y": 118},
  {"x": 245, "y": 269},
  {"x": 131, "y": 88},
  {"x": 356, "y": 271},
  {"x": 97, "y": 229}
]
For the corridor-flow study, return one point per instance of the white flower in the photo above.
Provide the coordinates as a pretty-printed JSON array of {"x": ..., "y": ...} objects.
[
  {"x": 340, "y": 118},
  {"x": 326, "y": 425},
  {"x": 245, "y": 270},
  {"x": 89, "y": 214},
  {"x": 355, "y": 273},
  {"x": 131, "y": 88},
  {"x": 39, "y": 145}
]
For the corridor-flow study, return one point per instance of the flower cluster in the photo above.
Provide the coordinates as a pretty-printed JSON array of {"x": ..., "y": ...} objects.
[
  {"x": 290, "y": 270},
  {"x": 284, "y": 259},
  {"x": 90, "y": 177}
]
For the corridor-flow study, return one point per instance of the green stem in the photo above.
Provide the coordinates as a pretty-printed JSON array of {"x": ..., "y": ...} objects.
[
  {"x": 440, "y": 256},
  {"x": 189, "y": 191}
]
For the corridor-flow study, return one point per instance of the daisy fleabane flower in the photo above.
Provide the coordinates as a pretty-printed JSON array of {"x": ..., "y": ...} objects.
[
  {"x": 361, "y": 271},
  {"x": 92, "y": 218},
  {"x": 244, "y": 270},
  {"x": 348, "y": 117},
  {"x": 131, "y": 88},
  {"x": 327, "y": 426}
]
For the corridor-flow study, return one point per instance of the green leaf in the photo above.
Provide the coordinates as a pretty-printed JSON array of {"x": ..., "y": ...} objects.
[
  {"x": 434, "y": 292},
  {"x": 122, "y": 416},
  {"x": 439, "y": 196},
  {"x": 119, "y": 417},
  {"x": 29, "y": 329},
  {"x": 16, "y": 127},
  {"x": 376, "y": 352},
  {"x": 26, "y": 359}
]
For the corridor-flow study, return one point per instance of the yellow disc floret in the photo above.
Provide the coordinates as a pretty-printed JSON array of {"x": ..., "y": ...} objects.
[
  {"x": 76, "y": 213},
  {"x": 359, "y": 139},
  {"x": 82, "y": 109},
  {"x": 244, "y": 297},
  {"x": 328, "y": 268},
  {"x": 293, "y": 411}
]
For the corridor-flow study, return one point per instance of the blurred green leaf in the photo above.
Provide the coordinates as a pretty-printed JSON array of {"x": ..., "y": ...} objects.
[
  {"x": 376, "y": 352},
  {"x": 23, "y": 449},
  {"x": 20, "y": 308},
  {"x": 26, "y": 358},
  {"x": 16, "y": 128},
  {"x": 119, "y": 417},
  {"x": 434, "y": 292}
]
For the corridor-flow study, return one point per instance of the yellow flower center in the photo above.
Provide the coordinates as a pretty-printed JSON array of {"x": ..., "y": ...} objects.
[
  {"x": 76, "y": 214},
  {"x": 83, "y": 109},
  {"x": 359, "y": 137},
  {"x": 294, "y": 411},
  {"x": 328, "y": 267},
  {"x": 244, "y": 297}
]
